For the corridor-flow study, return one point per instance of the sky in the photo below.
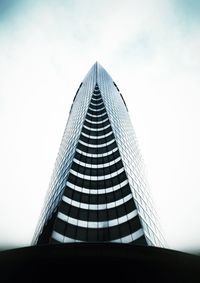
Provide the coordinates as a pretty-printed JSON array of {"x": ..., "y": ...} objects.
[{"x": 151, "y": 49}]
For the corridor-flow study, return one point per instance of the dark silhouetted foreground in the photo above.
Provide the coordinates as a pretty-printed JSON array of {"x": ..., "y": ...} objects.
[{"x": 97, "y": 262}]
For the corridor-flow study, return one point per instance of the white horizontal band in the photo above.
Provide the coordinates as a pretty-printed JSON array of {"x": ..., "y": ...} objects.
[
  {"x": 97, "y": 137},
  {"x": 97, "y": 206},
  {"x": 96, "y": 99},
  {"x": 96, "y": 116},
  {"x": 99, "y": 224},
  {"x": 98, "y": 122},
  {"x": 62, "y": 239},
  {"x": 127, "y": 239},
  {"x": 97, "y": 178},
  {"x": 97, "y": 145},
  {"x": 96, "y": 110},
  {"x": 98, "y": 191},
  {"x": 94, "y": 155},
  {"x": 96, "y": 166},
  {"x": 96, "y": 104},
  {"x": 130, "y": 238},
  {"x": 96, "y": 129}
]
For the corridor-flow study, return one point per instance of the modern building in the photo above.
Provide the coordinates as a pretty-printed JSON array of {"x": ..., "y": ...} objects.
[{"x": 98, "y": 191}]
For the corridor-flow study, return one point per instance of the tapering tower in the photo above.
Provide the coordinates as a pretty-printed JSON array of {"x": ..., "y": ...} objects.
[{"x": 98, "y": 191}]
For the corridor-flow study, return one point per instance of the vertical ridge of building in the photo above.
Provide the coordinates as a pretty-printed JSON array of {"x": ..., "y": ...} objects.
[
  {"x": 98, "y": 191},
  {"x": 96, "y": 72}
]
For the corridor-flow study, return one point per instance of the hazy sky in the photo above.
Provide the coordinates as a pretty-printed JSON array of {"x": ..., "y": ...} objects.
[{"x": 151, "y": 48}]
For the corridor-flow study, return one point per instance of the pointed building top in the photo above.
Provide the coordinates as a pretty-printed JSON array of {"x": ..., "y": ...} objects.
[{"x": 95, "y": 72}]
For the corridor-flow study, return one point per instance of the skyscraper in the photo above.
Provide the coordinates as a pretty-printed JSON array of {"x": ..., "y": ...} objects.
[{"x": 98, "y": 191}]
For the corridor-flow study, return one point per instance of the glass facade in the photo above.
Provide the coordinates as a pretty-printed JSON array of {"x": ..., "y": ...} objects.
[{"x": 98, "y": 191}]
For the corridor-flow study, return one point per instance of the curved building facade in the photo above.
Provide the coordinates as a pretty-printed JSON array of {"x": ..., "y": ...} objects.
[{"x": 98, "y": 191}]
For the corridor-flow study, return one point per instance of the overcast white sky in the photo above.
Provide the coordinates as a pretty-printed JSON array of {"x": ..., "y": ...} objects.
[{"x": 151, "y": 48}]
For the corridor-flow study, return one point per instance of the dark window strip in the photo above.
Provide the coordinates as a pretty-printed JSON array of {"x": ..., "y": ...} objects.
[
  {"x": 97, "y": 126},
  {"x": 97, "y": 133},
  {"x": 96, "y": 101},
  {"x": 94, "y": 150},
  {"x": 97, "y": 215},
  {"x": 97, "y": 198},
  {"x": 97, "y": 96},
  {"x": 96, "y": 112},
  {"x": 88, "y": 184},
  {"x": 97, "y": 171},
  {"x": 96, "y": 91},
  {"x": 100, "y": 234},
  {"x": 97, "y": 160},
  {"x": 97, "y": 106},
  {"x": 97, "y": 141},
  {"x": 97, "y": 119}
]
